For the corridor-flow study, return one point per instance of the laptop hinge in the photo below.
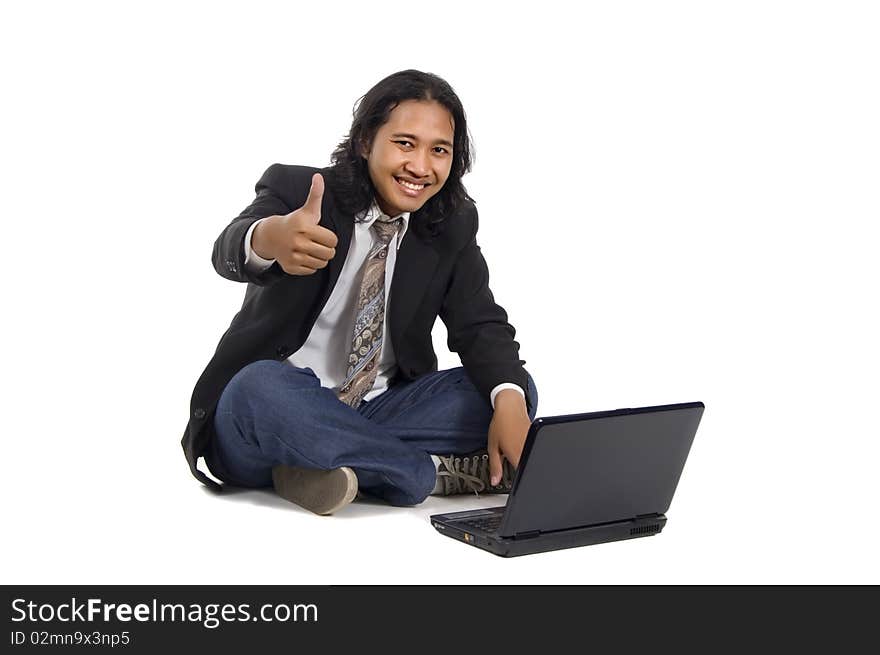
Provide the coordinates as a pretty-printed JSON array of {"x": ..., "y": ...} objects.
[
  {"x": 646, "y": 516},
  {"x": 527, "y": 535}
]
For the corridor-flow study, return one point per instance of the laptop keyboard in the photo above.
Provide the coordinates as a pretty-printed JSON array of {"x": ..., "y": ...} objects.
[{"x": 484, "y": 523}]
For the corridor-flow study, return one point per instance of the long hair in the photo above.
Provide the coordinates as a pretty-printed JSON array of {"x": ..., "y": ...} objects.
[{"x": 350, "y": 176}]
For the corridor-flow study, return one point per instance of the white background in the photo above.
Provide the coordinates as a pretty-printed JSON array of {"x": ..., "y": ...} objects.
[{"x": 678, "y": 202}]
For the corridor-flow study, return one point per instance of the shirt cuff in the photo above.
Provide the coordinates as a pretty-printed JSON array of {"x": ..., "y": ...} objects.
[
  {"x": 252, "y": 261},
  {"x": 501, "y": 387}
]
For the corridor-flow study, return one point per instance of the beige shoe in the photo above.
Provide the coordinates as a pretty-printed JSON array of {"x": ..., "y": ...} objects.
[{"x": 319, "y": 491}]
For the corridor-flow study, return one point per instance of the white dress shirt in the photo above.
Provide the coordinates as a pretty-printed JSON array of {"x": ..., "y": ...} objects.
[{"x": 326, "y": 348}]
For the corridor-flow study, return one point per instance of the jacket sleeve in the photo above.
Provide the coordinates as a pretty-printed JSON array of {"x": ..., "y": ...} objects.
[
  {"x": 477, "y": 326},
  {"x": 229, "y": 252}
]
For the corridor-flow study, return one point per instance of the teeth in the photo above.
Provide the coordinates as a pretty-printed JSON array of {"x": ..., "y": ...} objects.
[{"x": 414, "y": 187}]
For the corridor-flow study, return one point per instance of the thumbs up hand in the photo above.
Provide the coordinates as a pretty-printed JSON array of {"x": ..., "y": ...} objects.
[{"x": 296, "y": 240}]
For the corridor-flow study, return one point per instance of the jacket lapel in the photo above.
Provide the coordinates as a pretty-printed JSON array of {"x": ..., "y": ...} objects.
[{"x": 416, "y": 262}]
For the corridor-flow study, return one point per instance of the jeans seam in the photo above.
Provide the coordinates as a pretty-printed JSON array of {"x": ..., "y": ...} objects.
[
  {"x": 287, "y": 446},
  {"x": 233, "y": 416}
]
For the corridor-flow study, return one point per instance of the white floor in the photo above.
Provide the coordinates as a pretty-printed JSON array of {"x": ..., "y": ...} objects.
[{"x": 109, "y": 517}]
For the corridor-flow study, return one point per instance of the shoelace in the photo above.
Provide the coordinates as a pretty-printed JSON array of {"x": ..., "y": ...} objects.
[{"x": 464, "y": 474}]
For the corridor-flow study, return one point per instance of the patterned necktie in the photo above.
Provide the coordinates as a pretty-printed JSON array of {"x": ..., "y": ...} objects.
[{"x": 366, "y": 346}]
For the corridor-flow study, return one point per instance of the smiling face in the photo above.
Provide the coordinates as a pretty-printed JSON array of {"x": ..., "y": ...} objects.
[{"x": 411, "y": 155}]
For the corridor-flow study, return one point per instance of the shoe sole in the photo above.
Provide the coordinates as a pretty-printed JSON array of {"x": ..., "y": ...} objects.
[{"x": 319, "y": 491}]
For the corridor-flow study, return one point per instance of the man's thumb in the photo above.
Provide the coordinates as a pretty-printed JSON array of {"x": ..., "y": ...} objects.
[{"x": 316, "y": 193}]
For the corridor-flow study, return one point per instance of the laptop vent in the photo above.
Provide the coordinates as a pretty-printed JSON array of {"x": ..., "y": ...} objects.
[{"x": 645, "y": 529}]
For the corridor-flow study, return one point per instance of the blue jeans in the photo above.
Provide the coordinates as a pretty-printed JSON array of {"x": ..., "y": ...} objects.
[{"x": 274, "y": 413}]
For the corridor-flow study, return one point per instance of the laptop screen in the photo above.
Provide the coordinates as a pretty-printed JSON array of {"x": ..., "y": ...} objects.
[{"x": 585, "y": 469}]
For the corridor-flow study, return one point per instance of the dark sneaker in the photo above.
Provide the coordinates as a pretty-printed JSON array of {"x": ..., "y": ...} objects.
[
  {"x": 461, "y": 474},
  {"x": 319, "y": 491}
]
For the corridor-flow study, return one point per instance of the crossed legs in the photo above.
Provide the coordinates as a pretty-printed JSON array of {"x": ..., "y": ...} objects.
[{"x": 272, "y": 413}]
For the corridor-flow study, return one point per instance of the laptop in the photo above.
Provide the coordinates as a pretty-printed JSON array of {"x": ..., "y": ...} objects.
[{"x": 586, "y": 479}]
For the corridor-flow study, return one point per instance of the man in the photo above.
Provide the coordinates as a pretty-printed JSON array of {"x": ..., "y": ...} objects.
[{"x": 326, "y": 381}]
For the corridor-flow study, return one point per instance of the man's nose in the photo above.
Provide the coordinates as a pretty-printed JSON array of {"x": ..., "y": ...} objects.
[{"x": 419, "y": 164}]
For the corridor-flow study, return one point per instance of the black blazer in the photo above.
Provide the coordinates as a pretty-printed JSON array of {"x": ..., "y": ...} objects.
[{"x": 444, "y": 276}]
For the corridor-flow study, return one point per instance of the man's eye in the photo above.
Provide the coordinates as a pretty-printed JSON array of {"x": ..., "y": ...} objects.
[{"x": 409, "y": 144}]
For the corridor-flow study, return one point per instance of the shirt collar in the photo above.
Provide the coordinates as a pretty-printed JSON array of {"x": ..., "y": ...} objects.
[{"x": 369, "y": 216}]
